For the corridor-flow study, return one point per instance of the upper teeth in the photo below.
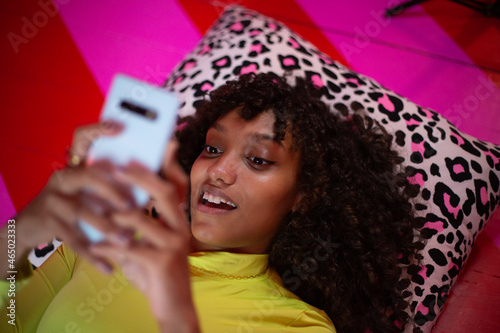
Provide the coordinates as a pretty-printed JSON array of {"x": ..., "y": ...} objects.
[{"x": 217, "y": 200}]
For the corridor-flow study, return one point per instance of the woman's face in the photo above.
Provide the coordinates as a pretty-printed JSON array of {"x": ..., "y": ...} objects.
[{"x": 243, "y": 184}]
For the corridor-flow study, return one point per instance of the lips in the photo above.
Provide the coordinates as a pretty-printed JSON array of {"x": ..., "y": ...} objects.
[{"x": 213, "y": 198}]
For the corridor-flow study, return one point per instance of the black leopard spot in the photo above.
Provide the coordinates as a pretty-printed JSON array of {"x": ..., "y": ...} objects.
[
  {"x": 306, "y": 62},
  {"x": 463, "y": 143},
  {"x": 412, "y": 121},
  {"x": 426, "y": 194},
  {"x": 425, "y": 312},
  {"x": 476, "y": 166},
  {"x": 297, "y": 46},
  {"x": 44, "y": 250},
  {"x": 400, "y": 138},
  {"x": 448, "y": 203},
  {"x": 346, "y": 97},
  {"x": 430, "y": 134},
  {"x": 482, "y": 202},
  {"x": 354, "y": 80},
  {"x": 357, "y": 106},
  {"x": 329, "y": 73},
  {"x": 460, "y": 241},
  {"x": 238, "y": 27},
  {"x": 388, "y": 105},
  {"x": 435, "y": 170},
  {"x": 495, "y": 183},
  {"x": 458, "y": 168},
  {"x": 202, "y": 88},
  {"x": 333, "y": 87},
  {"x": 289, "y": 62},
  {"x": 342, "y": 108},
  {"x": 257, "y": 49},
  {"x": 471, "y": 199},
  {"x": 246, "y": 67},
  {"x": 480, "y": 145},
  {"x": 438, "y": 256}
]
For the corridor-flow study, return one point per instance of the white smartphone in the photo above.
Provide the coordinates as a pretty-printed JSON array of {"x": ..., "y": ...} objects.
[{"x": 149, "y": 115}]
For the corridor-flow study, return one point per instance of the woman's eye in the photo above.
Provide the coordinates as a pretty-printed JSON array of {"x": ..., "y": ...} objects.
[
  {"x": 260, "y": 162},
  {"x": 210, "y": 150}
]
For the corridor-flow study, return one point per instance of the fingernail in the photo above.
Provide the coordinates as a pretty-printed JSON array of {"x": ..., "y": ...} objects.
[{"x": 108, "y": 124}]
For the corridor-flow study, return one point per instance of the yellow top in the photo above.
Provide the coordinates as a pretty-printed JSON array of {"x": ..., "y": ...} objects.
[{"x": 66, "y": 294}]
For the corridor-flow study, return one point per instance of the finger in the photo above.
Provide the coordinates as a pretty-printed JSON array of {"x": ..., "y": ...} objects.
[
  {"x": 176, "y": 175},
  {"x": 78, "y": 242},
  {"x": 69, "y": 210},
  {"x": 170, "y": 153},
  {"x": 97, "y": 180},
  {"x": 164, "y": 194},
  {"x": 85, "y": 135},
  {"x": 150, "y": 230}
]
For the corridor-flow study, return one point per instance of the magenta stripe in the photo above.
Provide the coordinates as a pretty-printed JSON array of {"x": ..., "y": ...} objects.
[
  {"x": 142, "y": 39},
  {"x": 382, "y": 49},
  {"x": 7, "y": 209}
]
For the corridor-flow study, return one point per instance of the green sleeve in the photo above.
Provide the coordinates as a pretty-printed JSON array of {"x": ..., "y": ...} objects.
[{"x": 24, "y": 305}]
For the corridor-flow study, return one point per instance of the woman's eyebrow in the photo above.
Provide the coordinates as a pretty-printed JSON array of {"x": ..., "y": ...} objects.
[{"x": 255, "y": 136}]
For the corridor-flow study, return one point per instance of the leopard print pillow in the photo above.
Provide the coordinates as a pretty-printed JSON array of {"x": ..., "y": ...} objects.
[{"x": 457, "y": 175}]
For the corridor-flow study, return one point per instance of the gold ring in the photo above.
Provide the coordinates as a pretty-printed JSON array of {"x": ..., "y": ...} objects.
[{"x": 73, "y": 160}]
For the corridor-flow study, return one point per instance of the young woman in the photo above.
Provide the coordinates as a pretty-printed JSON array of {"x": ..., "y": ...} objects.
[{"x": 293, "y": 217}]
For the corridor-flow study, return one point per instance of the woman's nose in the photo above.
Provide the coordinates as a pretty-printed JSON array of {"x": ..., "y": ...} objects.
[{"x": 223, "y": 169}]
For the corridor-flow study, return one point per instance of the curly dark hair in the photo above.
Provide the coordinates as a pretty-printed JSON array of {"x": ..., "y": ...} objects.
[{"x": 348, "y": 246}]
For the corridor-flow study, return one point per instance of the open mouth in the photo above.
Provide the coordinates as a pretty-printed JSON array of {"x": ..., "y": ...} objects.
[{"x": 214, "y": 201}]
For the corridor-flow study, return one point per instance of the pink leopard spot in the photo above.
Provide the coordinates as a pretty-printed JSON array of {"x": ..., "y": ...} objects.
[
  {"x": 272, "y": 26},
  {"x": 179, "y": 80},
  {"x": 459, "y": 139},
  {"x": 41, "y": 246},
  {"x": 221, "y": 62},
  {"x": 206, "y": 87},
  {"x": 417, "y": 179},
  {"x": 451, "y": 209},
  {"x": 427, "y": 112},
  {"x": 325, "y": 59},
  {"x": 423, "y": 272},
  {"x": 237, "y": 26},
  {"x": 256, "y": 48},
  {"x": 353, "y": 80},
  {"x": 255, "y": 33},
  {"x": 438, "y": 226},
  {"x": 316, "y": 80},
  {"x": 294, "y": 44},
  {"x": 386, "y": 103},
  {"x": 205, "y": 49},
  {"x": 249, "y": 69},
  {"x": 484, "y": 195},
  {"x": 288, "y": 62},
  {"x": 418, "y": 147},
  {"x": 423, "y": 309},
  {"x": 189, "y": 65},
  {"x": 490, "y": 154},
  {"x": 458, "y": 168},
  {"x": 452, "y": 265},
  {"x": 412, "y": 122}
]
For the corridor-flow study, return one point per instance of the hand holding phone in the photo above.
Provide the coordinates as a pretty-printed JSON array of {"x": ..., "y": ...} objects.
[{"x": 148, "y": 115}]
